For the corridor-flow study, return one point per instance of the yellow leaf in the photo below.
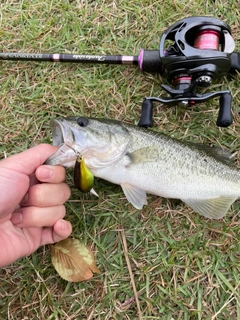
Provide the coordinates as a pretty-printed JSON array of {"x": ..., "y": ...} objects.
[{"x": 73, "y": 260}]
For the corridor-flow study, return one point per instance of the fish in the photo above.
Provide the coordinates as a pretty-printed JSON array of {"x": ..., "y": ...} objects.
[{"x": 143, "y": 161}]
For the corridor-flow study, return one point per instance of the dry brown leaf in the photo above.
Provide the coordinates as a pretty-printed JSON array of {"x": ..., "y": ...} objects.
[{"x": 73, "y": 260}]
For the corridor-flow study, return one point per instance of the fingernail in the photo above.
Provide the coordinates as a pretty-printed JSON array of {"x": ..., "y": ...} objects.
[
  {"x": 16, "y": 217},
  {"x": 45, "y": 173}
]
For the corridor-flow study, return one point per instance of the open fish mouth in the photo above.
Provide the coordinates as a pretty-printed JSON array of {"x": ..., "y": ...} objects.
[
  {"x": 61, "y": 132},
  {"x": 63, "y": 137}
]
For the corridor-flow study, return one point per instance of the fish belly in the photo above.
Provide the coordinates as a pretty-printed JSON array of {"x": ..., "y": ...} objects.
[{"x": 178, "y": 184}]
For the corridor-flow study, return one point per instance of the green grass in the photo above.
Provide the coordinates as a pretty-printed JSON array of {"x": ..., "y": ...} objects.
[{"x": 184, "y": 266}]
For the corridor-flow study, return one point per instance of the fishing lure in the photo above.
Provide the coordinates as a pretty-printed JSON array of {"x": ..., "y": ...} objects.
[{"x": 83, "y": 177}]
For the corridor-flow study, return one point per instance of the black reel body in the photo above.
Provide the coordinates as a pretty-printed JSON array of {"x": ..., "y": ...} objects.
[{"x": 199, "y": 52}]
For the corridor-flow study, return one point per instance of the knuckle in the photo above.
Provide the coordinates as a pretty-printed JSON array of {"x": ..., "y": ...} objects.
[
  {"x": 47, "y": 194},
  {"x": 36, "y": 195}
]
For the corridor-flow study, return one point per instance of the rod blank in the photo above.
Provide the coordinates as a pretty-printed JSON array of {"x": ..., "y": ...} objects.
[{"x": 76, "y": 58}]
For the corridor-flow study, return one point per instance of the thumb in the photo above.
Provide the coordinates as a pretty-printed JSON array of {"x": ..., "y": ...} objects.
[{"x": 28, "y": 161}]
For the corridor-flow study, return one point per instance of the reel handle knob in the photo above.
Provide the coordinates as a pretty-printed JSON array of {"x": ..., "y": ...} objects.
[
  {"x": 235, "y": 62},
  {"x": 225, "y": 115},
  {"x": 146, "y": 114}
]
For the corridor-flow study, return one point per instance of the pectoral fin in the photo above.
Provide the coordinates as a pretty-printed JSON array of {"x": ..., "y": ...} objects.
[
  {"x": 147, "y": 154},
  {"x": 135, "y": 196},
  {"x": 211, "y": 208}
]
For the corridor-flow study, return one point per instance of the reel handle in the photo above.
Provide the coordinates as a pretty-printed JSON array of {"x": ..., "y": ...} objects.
[
  {"x": 146, "y": 119},
  {"x": 225, "y": 115}
]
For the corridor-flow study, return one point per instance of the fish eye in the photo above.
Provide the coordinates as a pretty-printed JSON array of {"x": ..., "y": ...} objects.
[{"x": 83, "y": 122}]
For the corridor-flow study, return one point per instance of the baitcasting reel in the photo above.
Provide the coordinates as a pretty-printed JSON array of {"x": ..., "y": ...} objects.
[{"x": 200, "y": 51}]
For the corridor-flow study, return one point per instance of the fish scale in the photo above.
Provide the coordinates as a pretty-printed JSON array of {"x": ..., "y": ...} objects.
[{"x": 144, "y": 161}]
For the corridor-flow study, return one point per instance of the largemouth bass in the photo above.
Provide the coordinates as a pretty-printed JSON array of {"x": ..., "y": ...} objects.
[{"x": 143, "y": 161}]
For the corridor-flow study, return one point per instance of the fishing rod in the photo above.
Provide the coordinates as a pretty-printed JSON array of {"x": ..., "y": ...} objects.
[{"x": 201, "y": 50}]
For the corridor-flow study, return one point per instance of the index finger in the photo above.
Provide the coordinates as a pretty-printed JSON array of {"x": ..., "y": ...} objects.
[{"x": 28, "y": 161}]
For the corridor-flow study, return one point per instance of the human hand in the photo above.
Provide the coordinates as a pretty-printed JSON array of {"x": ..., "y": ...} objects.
[{"x": 31, "y": 203}]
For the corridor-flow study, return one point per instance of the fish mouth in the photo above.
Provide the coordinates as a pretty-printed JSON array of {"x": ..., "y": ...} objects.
[
  {"x": 61, "y": 132},
  {"x": 62, "y": 137}
]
